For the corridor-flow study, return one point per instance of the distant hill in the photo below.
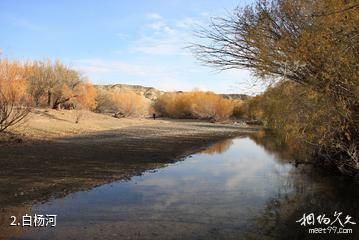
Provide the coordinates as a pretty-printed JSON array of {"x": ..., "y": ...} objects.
[
  {"x": 153, "y": 93},
  {"x": 148, "y": 92},
  {"x": 235, "y": 96}
]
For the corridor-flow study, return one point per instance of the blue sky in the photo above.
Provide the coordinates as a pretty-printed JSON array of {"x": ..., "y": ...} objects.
[{"x": 133, "y": 42}]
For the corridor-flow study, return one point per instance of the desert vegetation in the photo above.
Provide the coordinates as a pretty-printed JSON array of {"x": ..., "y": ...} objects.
[
  {"x": 195, "y": 104},
  {"x": 53, "y": 85},
  {"x": 192, "y": 105},
  {"x": 40, "y": 84},
  {"x": 122, "y": 103},
  {"x": 127, "y": 104},
  {"x": 14, "y": 101},
  {"x": 308, "y": 50}
]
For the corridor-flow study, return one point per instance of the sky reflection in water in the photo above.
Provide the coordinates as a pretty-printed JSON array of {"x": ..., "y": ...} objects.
[{"x": 227, "y": 191}]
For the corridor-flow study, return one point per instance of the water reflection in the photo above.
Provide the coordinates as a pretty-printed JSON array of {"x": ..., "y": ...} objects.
[
  {"x": 284, "y": 149},
  {"x": 219, "y": 147},
  {"x": 240, "y": 191}
]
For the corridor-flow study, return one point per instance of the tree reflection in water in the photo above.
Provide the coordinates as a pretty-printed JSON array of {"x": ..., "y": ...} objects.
[
  {"x": 308, "y": 189},
  {"x": 219, "y": 147},
  {"x": 283, "y": 149}
]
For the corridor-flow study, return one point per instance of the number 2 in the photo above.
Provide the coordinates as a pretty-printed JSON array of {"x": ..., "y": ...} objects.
[{"x": 13, "y": 223}]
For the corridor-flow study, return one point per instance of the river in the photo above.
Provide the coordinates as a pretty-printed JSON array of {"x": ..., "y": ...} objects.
[{"x": 235, "y": 189}]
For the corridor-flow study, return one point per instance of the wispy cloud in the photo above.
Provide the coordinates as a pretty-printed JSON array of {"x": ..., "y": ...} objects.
[
  {"x": 154, "y": 16},
  {"x": 157, "y": 46},
  {"x": 159, "y": 59},
  {"x": 163, "y": 37},
  {"x": 188, "y": 23}
]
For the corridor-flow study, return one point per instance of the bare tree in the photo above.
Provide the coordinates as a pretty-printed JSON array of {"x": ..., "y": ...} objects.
[
  {"x": 64, "y": 83},
  {"x": 302, "y": 41},
  {"x": 11, "y": 111},
  {"x": 39, "y": 73}
]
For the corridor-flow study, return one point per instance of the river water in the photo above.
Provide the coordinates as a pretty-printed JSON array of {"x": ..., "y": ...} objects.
[{"x": 236, "y": 189}]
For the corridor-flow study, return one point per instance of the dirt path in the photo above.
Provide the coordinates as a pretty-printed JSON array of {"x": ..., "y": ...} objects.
[{"x": 35, "y": 171}]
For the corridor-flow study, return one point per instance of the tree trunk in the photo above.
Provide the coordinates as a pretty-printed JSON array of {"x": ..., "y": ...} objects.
[{"x": 49, "y": 98}]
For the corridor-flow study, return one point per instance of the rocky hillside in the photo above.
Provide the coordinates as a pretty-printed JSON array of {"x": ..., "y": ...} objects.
[
  {"x": 235, "y": 96},
  {"x": 148, "y": 92},
  {"x": 153, "y": 93}
]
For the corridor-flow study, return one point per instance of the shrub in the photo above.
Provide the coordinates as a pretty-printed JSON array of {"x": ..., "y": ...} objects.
[
  {"x": 104, "y": 102},
  {"x": 196, "y": 104},
  {"x": 126, "y": 103},
  {"x": 14, "y": 102}
]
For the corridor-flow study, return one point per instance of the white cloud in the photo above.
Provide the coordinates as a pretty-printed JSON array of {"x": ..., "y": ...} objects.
[
  {"x": 154, "y": 16},
  {"x": 155, "y": 46},
  {"x": 161, "y": 37},
  {"x": 157, "y": 58},
  {"x": 157, "y": 26},
  {"x": 187, "y": 23}
]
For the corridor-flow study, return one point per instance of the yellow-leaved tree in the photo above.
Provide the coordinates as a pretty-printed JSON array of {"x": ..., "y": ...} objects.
[
  {"x": 313, "y": 45},
  {"x": 14, "y": 101}
]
